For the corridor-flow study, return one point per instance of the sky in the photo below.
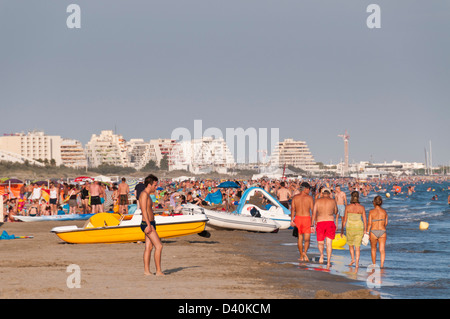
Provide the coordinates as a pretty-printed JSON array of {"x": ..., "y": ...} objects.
[{"x": 311, "y": 69}]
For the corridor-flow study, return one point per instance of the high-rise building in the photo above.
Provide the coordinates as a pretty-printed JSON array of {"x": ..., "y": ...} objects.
[
  {"x": 73, "y": 154},
  {"x": 295, "y": 153},
  {"x": 140, "y": 153},
  {"x": 198, "y": 154},
  {"x": 107, "y": 148},
  {"x": 162, "y": 147},
  {"x": 35, "y": 145}
]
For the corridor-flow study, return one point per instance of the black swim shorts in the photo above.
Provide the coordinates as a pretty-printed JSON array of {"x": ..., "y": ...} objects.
[
  {"x": 95, "y": 200},
  {"x": 144, "y": 225}
]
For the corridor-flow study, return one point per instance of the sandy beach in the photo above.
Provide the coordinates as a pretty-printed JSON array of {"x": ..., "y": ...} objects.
[{"x": 195, "y": 268}]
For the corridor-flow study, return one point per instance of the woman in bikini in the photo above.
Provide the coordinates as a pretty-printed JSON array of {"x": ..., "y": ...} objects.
[{"x": 378, "y": 220}]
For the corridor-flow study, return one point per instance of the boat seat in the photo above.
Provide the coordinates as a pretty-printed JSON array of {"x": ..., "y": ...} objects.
[{"x": 103, "y": 220}]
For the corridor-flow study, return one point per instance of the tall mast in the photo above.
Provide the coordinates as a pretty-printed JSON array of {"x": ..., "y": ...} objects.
[{"x": 345, "y": 138}]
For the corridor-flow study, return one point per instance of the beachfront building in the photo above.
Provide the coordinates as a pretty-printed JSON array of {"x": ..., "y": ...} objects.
[
  {"x": 161, "y": 147},
  {"x": 73, "y": 154},
  {"x": 107, "y": 148},
  {"x": 34, "y": 145},
  {"x": 202, "y": 155},
  {"x": 140, "y": 153},
  {"x": 293, "y": 153}
]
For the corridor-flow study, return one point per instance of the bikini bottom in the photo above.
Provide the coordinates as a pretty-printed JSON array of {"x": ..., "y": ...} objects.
[{"x": 378, "y": 232}]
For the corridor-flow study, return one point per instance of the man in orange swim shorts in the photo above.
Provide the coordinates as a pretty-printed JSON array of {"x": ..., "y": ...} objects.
[
  {"x": 324, "y": 213},
  {"x": 301, "y": 208}
]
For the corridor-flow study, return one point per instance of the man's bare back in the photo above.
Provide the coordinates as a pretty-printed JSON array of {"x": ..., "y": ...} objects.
[
  {"x": 123, "y": 188},
  {"x": 302, "y": 205},
  {"x": 324, "y": 209}
]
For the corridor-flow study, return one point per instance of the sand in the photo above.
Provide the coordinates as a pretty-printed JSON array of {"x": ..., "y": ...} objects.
[{"x": 224, "y": 266}]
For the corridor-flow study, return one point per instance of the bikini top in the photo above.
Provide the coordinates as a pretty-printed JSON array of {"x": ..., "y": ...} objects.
[{"x": 378, "y": 220}]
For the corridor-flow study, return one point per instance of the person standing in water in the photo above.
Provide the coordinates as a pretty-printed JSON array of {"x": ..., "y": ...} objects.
[
  {"x": 324, "y": 213},
  {"x": 341, "y": 202},
  {"x": 378, "y": 220},
  {"x": 354, "y": 221},
  {"x": 302, "y": 205}
]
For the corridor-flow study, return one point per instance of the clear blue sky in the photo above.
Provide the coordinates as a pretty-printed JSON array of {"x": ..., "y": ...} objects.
[{"x": 310, "y": 68}]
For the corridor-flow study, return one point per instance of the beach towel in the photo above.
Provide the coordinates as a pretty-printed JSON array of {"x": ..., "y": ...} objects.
[
  {"x": 214, "y": 198},
  {"x": 7, "y": 236}
]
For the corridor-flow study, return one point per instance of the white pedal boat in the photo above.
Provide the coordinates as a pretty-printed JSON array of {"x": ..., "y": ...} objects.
[{"x": 220, "y": 219}]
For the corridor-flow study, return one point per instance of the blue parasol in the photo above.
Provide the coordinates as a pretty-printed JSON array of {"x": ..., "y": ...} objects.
[{"x": 228, "y": 184}]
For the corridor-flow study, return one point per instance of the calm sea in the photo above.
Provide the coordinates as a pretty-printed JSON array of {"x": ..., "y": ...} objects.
[{"x": 417, "y": 261}]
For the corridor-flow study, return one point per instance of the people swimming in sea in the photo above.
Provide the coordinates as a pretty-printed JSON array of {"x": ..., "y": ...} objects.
[{"x": 378, "y": 220}]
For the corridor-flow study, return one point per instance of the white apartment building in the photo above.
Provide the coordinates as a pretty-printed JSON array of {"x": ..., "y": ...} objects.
[
  {"x": 295, "y": 153},
  {"x": 107, "y": 148},
  {"x": 202, "y": 154},
  {"x": 73, "y": 154},
  {"x": 140, "y": 153},
  {"x": 160, "y": 147},
  {"x": 35, "y": 145}
]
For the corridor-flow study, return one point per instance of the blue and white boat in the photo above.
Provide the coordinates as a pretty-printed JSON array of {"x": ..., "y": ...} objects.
[{"x": 257, "y": 200}]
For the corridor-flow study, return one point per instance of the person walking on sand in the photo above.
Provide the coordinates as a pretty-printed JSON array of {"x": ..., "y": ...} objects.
[
  {"x": 148, "y": 226},
  {"x": 378, "y": 220},
  {"x": 302, "y": 206},
  {"x": 341, "y": 202},
  {"x": 354, "y": 221},
  {"x": 324, "y": 212}
]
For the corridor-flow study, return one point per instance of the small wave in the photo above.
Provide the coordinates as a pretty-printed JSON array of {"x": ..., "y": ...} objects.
[
  {"x": 420, "y": 251},
  {"x": 441, "y": 283},
  {"x": 411, "y": 217}
]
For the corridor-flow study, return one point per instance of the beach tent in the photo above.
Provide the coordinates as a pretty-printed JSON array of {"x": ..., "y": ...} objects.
[
  {"x": 10, "y": 187},
  {"x": 183, "y": 178},
  {"x": 103, "y": 178}
]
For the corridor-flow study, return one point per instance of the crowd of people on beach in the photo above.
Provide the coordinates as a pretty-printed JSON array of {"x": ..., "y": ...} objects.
[
  {"x": 316, "y": 205},
  {"x": 91, "y": 196}
]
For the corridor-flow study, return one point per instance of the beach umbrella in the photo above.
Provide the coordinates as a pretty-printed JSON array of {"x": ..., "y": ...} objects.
[
  {"x": 132, "y": 183},
  {"x": 83, "y": 179},
  {"x": 10, "y": 181},
  {"x": 228, "y": 184},
  {"x": 40, "y": 182}
]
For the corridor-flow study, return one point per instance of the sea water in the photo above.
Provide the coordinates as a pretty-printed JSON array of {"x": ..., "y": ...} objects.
[{"x": 417, "y": 261}]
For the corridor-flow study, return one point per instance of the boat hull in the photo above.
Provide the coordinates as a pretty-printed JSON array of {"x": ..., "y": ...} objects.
[
  {"x": 236, "y": 221},
  {"x": 53, "y": 217},
  {"x": 166, "y": 227}
]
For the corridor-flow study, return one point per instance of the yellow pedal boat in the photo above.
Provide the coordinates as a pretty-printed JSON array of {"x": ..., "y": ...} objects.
[{"x": 114, "y": 228}]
